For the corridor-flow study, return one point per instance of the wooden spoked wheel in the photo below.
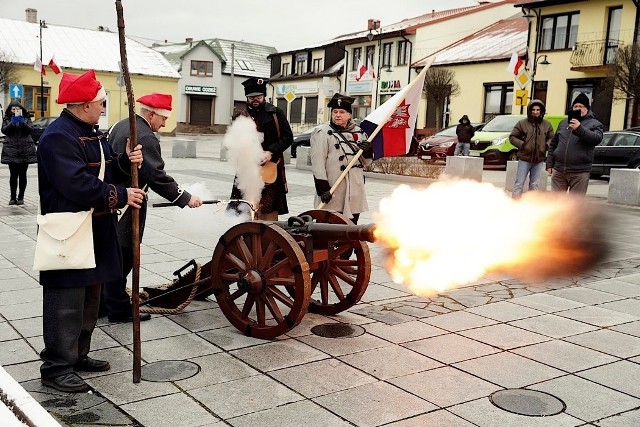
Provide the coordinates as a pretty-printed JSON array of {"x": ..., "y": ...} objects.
[
  {"x": 338, "y": 282},
  {"x": 254, "y": 264}
]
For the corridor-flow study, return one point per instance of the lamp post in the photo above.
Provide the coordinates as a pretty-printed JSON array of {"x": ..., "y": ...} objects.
[
  {"x": 526, "y": 12},
  {"x": 374, "y": 25},
  {"x": 40, "y": 99}
]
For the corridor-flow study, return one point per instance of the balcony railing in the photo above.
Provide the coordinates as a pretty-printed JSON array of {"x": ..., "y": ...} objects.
[{"x": 594, "y": 53}]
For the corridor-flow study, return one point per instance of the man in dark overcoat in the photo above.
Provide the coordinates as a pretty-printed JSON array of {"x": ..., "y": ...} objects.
[
  {"x": 155, "y": 109},
  {"x": 278, "y": 136},
  {"x": 69, "y": 161}
]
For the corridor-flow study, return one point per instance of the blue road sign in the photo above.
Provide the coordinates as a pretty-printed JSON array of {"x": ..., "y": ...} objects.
[{"x": 16, "y": 91}]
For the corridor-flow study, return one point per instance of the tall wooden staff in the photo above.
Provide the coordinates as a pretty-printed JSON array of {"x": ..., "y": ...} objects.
[{"x": 135, "y": 212}]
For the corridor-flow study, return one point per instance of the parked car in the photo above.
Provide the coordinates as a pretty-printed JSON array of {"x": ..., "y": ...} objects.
[
  {"x": 438, "y": 146},
  {"x": 618, "y": 149},
  {"x": 492, "y": 142},
  {"x": 39, "y": 125}
]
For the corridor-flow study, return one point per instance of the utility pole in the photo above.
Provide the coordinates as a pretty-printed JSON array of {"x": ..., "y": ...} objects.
[
  {"x": 40, "y": 99},
  {"x": 231, "y": 95}
]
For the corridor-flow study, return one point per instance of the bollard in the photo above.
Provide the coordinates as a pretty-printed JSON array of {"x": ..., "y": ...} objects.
[
  {"x": 183, "y": 148},
  {"x": 464, "y": 167},
  {"x": 624, "y": 187},
  {"x": 303, "y": 158}
]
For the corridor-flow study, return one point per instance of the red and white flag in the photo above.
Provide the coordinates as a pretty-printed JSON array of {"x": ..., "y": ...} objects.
[
  {"x": 54, "y": 67},
  {"x": 515, "y": 64},
  {"x": 361, "y": 70},
  {"x": 39, "y": 66}
]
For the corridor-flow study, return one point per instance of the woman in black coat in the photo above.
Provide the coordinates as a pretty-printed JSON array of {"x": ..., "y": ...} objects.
[{"x": 18, "y": 149}]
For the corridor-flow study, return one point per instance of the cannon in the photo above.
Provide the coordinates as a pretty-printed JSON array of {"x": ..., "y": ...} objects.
[{"x": 266, "y": 276}]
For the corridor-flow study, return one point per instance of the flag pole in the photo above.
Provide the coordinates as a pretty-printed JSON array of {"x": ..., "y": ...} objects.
[
  {"x": 135, "y": 294},
  {"x": 378, "y": 128}
]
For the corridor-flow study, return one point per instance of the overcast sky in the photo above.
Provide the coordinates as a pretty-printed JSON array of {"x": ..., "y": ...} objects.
[{"x": 283, "y": 24}]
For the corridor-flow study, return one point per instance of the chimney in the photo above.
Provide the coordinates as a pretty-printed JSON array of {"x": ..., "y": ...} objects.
[
  {"x": 433, "y": 13},
  {"x": 32, "y": 15},
  {"x": 189, "y": 40}
]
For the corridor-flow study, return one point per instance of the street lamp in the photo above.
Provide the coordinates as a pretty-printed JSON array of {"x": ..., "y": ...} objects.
[
  {"x": 40, "y": 99},
  {"x": 374, "y": 25},
  {"x": 527, "y": 13}
]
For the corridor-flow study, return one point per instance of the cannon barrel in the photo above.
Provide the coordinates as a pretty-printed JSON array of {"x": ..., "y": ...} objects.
[{"x": 324, "y": 231}]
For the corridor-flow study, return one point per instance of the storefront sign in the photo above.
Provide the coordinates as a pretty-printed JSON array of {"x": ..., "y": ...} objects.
[
  {"x": 359, "y": 87},
  {"x": 390, "y": 86},
  {"x": 201, "y": 90},
  {"x": 297, "y": 88}
]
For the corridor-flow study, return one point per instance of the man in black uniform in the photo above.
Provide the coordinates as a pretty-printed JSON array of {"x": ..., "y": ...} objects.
[
  {"x": 154, "y": 111},
  {"x": 278, "y": 136}
]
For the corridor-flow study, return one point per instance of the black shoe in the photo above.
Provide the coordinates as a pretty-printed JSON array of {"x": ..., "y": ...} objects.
[
  {"x": 20, "y": 202},
  {"x": 13, "y": 202},
  {"x": 87, "y": 364},
  {"x": 127, "y": 318},
  {"x": 70, "y": 383}
]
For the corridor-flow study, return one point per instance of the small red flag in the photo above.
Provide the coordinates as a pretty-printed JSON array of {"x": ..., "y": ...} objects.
[{"x": 54, "y": 67}]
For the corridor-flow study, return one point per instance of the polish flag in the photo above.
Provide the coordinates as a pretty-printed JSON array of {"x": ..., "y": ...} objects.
[
  {"x": 361, "y": 70},
  {"x": 54, "y": 67},
  {"x": 515, "y": 64},
  {"x": 39, "y": 67}
]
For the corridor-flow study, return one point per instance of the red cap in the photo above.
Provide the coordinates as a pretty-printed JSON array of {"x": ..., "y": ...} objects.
[
  {"x": 76, "y": 89},
  {"x": 159, "y": 103}
]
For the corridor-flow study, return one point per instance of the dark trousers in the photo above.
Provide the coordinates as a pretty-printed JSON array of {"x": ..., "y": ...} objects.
[
  {"x": 69, "y": 316},
  {"x": 115, "y": 299},
  {"x": 18, "y": 177},
  {"x": 574, "y": 182}
]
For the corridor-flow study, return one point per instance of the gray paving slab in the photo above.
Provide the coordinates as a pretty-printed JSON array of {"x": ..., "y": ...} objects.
[
  {"x": 503, "y": 336},
  {"x": 173, "y": 410},
  {"x": 610, "y": 342},
  {"x": 616, "y": 376},
  {"x": 390, "y": 362},
  {"x": 303, "y": 413},
  {"x": 629, "y": 418},
  {"x": 451, "y": 348},
  {"x": 271, "y": 356},
  {"x": 564, "y": 355},
  {"x": 433, "y": 419},
  {"x": 553, "y": 326},
  {"x": 403, "y": 332}
]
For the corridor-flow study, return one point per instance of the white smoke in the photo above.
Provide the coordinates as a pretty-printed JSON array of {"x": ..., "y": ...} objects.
[{"x": 244, "y": 145}]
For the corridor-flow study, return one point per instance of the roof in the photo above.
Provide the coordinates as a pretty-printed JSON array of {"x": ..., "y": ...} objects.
[
  {"x": 250, "y": 58},
  {"x": 493, "y": 43},
  {"x": 78, "y": 48},
  {"x": 541, "y": 3}
]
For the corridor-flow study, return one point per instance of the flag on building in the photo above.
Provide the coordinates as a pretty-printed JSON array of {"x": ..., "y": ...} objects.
[
  {"x": 399, "y": 114},
  {"x": 515, "y": 64},
  {"x": 54, "y": 67},
  {"x": 39, "y": 66},
  {"x": 361, "y": 70}
]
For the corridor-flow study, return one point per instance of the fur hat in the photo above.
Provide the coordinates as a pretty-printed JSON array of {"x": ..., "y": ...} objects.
[
  {"x": 159, "y": 103},
  {"x": 341, "y": 101},
  {"x": 582, "y": 99},
  {"x": 76, "y": 89}
]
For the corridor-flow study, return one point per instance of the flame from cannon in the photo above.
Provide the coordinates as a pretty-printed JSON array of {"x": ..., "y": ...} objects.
[{"x": 455, "y": 232}]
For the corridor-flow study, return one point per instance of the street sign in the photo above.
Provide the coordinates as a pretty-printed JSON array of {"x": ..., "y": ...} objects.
[
  {"x": 523, "y": 78},
  {"x": 289, "y": 96},
  {"x": 522, "y": 97},
  {"x": 16, "y": 91},
  {"x": 120, "y": 80}
]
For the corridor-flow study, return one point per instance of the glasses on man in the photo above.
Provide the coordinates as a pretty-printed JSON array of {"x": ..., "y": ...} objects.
[{"x": 258, "y": 97}]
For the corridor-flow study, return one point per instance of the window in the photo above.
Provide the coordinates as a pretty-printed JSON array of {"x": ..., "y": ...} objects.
[
  {"x": 371, "y": 50},
  {"x": 613, "y": 34},
  {"x": 301, "y": 67},
  {"x": 357, "y": 52},
  {"x": 403, "y": 52},
  {"x": 285, "y": 69},
  {"x": 559, "y": 32},
  {"x": 202, "y": 68},
  {"x": 498, "y": 99},
  {"x": 386, "y": 54},
  {"x": 317, "y": 65},
  {"x": 244, "y": 65},
  {"x": 625, "y": 140}
]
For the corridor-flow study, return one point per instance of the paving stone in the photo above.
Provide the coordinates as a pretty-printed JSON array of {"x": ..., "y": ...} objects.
[
  {"x": 617, "y": 376},
  {"x": 303, "y": 413},
  {"x": 598, "y": 316},
  {"x": 617, "y": 287},
  {"x": 390, "y": 362},
  {"x": 629, "y": 306},
  {"x": 505, "y": 311},
  {"x": 16, "y": 351},
  {"x": 629, "y": 418},
  {"x": 229, "y": 338},
  {"x": 553, "y": 326},
  {"x": 610, "y": 342},
  {"x": 403, "y": 332},
  {"x": 200, "y": 320},
  {"x": 156, "y": 328},
  {"x": 631, "y": 328},
  {"x": 374, "y": 404},
  {"x": 173, "y": 410},
  {"x": 342, "y": 346},
  {"x": 433, "y": 419},
  {"x": 216, "y": 368},
  {"x": 503, "y": 336},
  {"x": 120, "y": 389},
  {"x": 450, "y": 348},
  {"x": 458, "y": 321},
  {"x": 585, "y": 295},
  {"x": 566, "y": 356},
  {"x": 282, "y": 354},
  {"x": 30, "y": 327},
  {"x": 547, "y": 303},
  {"x": 7, "y": 332},
  {"x": 26, "y": 371},
  {"x": 177, "y": 348}
]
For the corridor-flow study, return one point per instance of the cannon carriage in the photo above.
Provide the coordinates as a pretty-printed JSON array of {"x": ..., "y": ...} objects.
[{"x": 266, "y": 276}]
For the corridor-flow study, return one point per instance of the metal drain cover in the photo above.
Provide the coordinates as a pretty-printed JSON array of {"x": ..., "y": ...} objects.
[
  {"x": 532, "y": 403},
  {"x": 169, "y": 370},
  {"x": 337, "y": 330}
]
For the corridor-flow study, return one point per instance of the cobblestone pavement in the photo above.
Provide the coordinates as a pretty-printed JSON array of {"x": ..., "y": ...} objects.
[{"x": 421, "y": 361}]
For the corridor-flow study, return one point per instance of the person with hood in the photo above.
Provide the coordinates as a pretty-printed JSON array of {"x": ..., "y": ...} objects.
[
  {"x": 465, "y": 132},
  {"x": 18, "y": 149},
  {"x": 532, "y": 137},
  {"x": 333, "y": 146},
  {"x": 571, "y": 150}
]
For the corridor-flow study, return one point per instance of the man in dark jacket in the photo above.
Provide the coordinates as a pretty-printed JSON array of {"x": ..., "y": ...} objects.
[
  {"x": 532, "y": 137},
  {"x": 278, "y": 136},
  {"x": 465, "y": 132},
  {"x": 154, "y": 111},
  {"x": 18, "y": 149},
  {"x": 69, "y": 161},
  {"x": 571, "y": 150}
]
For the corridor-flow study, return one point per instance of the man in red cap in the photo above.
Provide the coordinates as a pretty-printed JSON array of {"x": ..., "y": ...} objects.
[
  {"x": 69, "y": 163},
  {"x": 154, "y": 111}
]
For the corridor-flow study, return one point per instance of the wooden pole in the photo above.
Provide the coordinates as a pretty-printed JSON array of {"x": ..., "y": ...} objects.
[
  {"x": 137, "y": 364},
  {"x": 378, "y": 128}
]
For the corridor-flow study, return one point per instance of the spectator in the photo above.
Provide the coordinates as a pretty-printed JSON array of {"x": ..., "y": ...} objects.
[
  {"x": 154, "y": 111},
  {"x": 333, "y": 145},
  {"x": 571, "y": 150},
  {"x": 18, "y": 149},
  {"x": 532, "y": 137},
  {"x": 69, "y": 158},
  {"x": 465, "y": 132}
]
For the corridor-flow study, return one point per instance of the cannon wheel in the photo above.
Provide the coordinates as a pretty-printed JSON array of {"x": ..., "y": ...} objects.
[
  {"x": 253, "y": 264},
  {"x": 340, "y": 282}
]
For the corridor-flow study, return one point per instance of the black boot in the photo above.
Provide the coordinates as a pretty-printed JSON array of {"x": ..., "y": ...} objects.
[{"x": 13, "y": 201}]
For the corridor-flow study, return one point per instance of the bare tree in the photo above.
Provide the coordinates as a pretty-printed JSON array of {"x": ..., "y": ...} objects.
[
  {"x": 624, "y": 76},
  {"x": 8, "y": 71},
  {"x": 440, "y": 84}
]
